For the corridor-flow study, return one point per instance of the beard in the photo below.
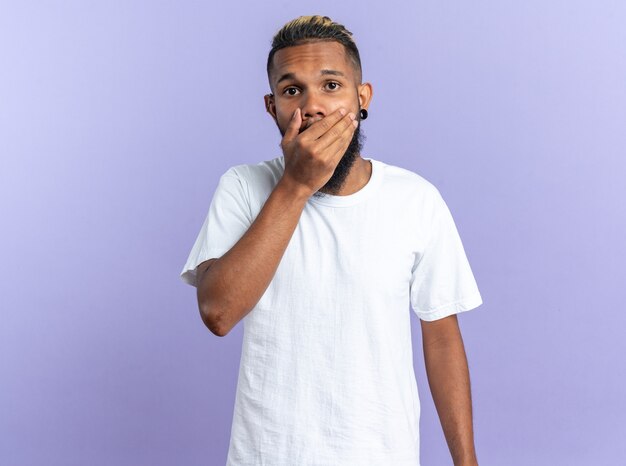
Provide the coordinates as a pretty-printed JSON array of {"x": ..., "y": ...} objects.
[{"x": 338, "y": 179}]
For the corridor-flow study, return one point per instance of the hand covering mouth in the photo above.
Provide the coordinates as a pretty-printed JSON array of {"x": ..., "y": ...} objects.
[{"x": 306, "y": 125}]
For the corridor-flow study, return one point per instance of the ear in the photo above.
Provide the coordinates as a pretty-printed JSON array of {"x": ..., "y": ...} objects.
[
  {"x": 270, "y": 106},
  {"x": 365, "y": 94}
]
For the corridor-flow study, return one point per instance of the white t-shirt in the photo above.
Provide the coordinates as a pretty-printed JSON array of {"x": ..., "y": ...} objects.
[{"x": 326, "y": 371}]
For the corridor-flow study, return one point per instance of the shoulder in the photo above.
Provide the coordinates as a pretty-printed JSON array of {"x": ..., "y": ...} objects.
[
  {"x": 258, "y": 179},
  {"x": 408, "y": 184},
  {"x": 255, "y": 172}
]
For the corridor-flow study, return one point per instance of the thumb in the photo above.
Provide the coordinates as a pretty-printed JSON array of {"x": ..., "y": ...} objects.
[{"x": 293, "y": 127}]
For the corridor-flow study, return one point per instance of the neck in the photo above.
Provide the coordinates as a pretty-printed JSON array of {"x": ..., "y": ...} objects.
[{"x": 359, "y": 176}]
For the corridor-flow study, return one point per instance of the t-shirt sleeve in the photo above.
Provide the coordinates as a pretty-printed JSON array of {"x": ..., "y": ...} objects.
[
  {"x": 442, "y": 282},
  {"x": 226, "y": 222}
]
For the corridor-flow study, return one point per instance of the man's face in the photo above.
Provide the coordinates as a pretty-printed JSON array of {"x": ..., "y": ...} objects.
[{"x": 317, "y": 78}]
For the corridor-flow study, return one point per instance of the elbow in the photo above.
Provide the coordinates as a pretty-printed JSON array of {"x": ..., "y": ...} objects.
[
  {"x": 211, "y": 316},
  {"x": 214, "y": 321}
]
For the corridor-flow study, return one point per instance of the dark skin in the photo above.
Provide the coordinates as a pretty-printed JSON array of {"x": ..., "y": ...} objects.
[
  {"x": 449, "y": 381},
  {"x": 319, "y": 95}
]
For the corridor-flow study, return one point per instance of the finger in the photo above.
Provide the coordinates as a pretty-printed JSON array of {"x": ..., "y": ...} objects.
[
  {"x": 343, "y": 128},
  {"x": 293, "y": 127},
  {"x": 320, "y": 127},
  {"x": 338, "y": 146}
]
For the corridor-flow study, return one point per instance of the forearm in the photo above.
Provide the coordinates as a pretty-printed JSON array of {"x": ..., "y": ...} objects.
[
  {"x": 448, "y": 378},
  {"x": 233, "y": 285}
]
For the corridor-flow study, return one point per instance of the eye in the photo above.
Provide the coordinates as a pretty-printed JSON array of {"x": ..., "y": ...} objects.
[{"x": 335, "y": 85}]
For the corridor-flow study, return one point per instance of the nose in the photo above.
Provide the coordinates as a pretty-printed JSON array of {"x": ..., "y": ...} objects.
[{"x": 312, "y": 109}]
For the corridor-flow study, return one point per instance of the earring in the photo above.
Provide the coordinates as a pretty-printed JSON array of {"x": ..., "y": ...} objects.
[{"x": 363, "y": 114}]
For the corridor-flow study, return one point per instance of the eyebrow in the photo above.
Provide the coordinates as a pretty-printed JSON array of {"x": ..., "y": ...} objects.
[{"x": 322, "y": 72}]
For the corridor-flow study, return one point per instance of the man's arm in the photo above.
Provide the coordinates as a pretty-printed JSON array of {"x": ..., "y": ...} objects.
[
  {"x": 230, "y": 287},
  {"x": 448, "y": 378}
]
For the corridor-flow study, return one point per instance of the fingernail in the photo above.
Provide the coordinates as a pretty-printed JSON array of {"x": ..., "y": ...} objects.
[
  {"x": 342, "y": 111},
  {"x": 352, "y": 116},
  {"x": 294, "y": 114},
  {"x": 355, "y": 123}
]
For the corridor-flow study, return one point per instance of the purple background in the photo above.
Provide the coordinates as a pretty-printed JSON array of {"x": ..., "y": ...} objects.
[{"x": 116, "y": 121}]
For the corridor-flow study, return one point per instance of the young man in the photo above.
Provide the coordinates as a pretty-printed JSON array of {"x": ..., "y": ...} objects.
[{"x": 320, "y": 252}]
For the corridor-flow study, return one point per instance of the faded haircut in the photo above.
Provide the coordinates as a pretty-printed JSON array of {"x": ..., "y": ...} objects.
[{"x": 315, "y": 28}]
